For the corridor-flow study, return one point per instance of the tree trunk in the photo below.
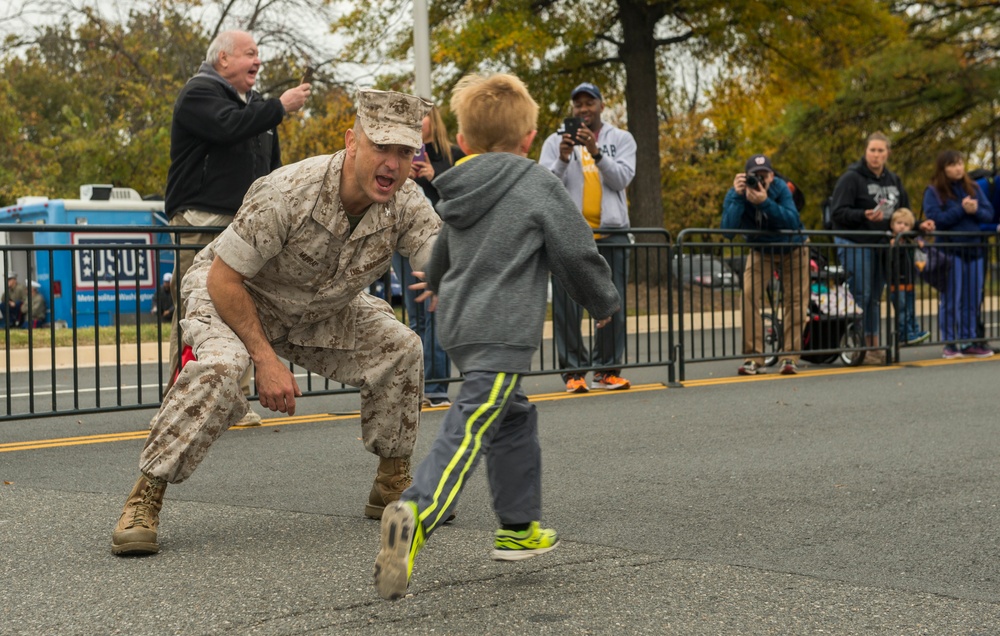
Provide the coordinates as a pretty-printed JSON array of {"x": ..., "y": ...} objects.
[{"x": 638, "y": 54}]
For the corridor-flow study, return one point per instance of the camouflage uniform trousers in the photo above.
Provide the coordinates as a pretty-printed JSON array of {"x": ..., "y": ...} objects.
[
  {"x": 182, "y": 263},
  {"x": 386, "y": 363}
]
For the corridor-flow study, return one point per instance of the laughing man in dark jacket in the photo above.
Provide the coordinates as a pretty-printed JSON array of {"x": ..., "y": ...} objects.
[{"x": 223, "y": 138}]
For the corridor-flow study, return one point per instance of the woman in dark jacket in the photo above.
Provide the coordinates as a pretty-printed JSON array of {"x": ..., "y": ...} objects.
[
  {"x": 957, "y": 204},
  {"x": 863, "y": 200},
  {"x": 439, "y": 154}
]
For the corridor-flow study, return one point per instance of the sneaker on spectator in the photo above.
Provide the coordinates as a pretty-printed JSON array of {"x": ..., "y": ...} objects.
[
  {"x": 610, "y": 381},
  {"x": 577, "y": 384},
  {"x": 920, "y": 337},
  {"x": 951, "y": 351},
  {"x": 788, "y": 367},
  {"x": 509, "y": 545},
  {"x": 439, "y": 401},
  {"x": 876, "y": 357},
  {"x": 250, "y": 419},
  {"x": 977, "y": 351},
  {"x": 985, "y": 344},
  {"x": 750, "y": 368}
]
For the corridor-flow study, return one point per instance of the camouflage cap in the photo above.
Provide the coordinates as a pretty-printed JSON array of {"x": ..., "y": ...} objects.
[{"x": 388, "y": 117}]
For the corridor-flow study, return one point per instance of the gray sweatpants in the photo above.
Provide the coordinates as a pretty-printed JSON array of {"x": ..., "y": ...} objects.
[
  {"x": 491, "y": 415},
  {"x": 386, "y": 363},
  {"x": 567, "y": 317}
]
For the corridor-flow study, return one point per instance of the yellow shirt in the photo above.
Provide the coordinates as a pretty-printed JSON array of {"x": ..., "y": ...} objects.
[{"x": 591, "y": 190}]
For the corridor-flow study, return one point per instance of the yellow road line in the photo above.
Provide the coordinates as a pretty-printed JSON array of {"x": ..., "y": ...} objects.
[
  {"x": 60, "y": 442},
  {"x": 770, "y": 377},
  {"x": 636, "y": 388},
  {"x": 812, "y": 373}
]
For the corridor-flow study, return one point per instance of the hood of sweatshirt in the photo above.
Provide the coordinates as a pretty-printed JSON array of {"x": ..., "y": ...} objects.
[
  {"x": 861, "y": 167},
  {"x": 473, "y": 188}
]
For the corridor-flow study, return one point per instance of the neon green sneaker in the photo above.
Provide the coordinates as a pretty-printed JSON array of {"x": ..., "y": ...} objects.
[
  {"x": 509, "y": 545},
  {"x": 402, "y": 538}
]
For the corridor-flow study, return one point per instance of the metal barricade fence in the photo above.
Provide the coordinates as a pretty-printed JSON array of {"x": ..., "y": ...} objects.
[
  {"x": 957, "y": 305},
  {"x": 746, "y": 292},
  {"x": 641, "y": 334},
  {"x": 102, "y": 349},
  {"x": 728, "y": 284}
]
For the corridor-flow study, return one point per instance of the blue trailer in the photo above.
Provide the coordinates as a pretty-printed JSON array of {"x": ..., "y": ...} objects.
[{"x": 86, "y": 286}]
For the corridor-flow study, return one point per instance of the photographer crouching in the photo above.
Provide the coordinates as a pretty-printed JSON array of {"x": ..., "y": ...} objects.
[{"x": 760, "y": 201}]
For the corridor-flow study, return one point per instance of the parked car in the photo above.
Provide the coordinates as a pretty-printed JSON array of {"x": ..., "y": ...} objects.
[
  {"x": 737, "y": 262},
  {"x": 704, "y": 270}
]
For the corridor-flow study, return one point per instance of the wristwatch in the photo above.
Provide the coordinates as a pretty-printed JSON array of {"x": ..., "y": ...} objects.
[{"x": 597, "y": 158}]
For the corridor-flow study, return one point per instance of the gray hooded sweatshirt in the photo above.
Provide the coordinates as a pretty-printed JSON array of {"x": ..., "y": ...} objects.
[{"x": 507, "y": 222}]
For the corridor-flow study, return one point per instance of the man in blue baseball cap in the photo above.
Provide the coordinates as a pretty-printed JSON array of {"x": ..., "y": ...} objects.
[
  {"x": 587, "y": 89},
  {"x": 759, "y": 201},
  {"x": 595, "y": 163}
]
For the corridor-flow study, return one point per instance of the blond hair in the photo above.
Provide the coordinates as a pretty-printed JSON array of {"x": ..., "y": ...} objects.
[
  {"x": 494, "y": 113},
  {"x": 905, "y": 214},
  {"x": 439, "y": 134}
]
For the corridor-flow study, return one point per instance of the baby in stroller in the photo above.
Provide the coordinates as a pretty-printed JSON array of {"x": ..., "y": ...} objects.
[{"x": 833, "y": 327}]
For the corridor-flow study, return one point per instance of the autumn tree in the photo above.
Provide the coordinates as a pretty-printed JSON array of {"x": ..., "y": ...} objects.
[
  {"x": 89, "y": 98},
  {"x": 321, "y": 130},
  {"x": 628, "y": 47},
  {"x": 93, "y": 102},
  {"x": 934, "y": 86}
]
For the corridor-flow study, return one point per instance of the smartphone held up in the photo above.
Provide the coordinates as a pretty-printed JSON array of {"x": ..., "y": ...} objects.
[
  {"x": 421, "y": 154},
  {"x": 571, "y": 126}
]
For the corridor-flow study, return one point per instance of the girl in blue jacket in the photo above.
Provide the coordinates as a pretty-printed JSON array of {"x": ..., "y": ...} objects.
[{"x": 956, "y": 204}]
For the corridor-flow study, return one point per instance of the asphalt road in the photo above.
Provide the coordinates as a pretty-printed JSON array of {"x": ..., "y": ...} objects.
[{"x": 839, "y": 501}]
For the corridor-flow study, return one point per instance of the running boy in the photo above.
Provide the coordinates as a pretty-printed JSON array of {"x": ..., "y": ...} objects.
[
  {"x": 507, "y": 221},
  {"x": 901, "y": 288}
]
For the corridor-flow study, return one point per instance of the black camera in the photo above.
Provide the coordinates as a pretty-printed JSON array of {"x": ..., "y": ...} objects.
[
  {"x": 571, "y": 126},
  {"x": 754, "y": 182}
]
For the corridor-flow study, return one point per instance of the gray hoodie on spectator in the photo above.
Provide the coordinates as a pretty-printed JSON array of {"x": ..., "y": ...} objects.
[{"x": 507, "y": 222}]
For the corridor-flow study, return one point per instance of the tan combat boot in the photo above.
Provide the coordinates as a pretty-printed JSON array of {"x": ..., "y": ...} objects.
[
  {"x": 135, "y": 532},
  {"x": 392, "y": 479}
]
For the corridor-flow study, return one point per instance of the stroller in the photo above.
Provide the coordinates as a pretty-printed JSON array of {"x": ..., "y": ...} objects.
[{"x": 832, "y": 322}]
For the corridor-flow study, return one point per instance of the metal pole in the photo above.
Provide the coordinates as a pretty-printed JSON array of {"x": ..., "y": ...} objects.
[
  {"x": 993, "y": 136},
  {"x": 421, "y": 49}
]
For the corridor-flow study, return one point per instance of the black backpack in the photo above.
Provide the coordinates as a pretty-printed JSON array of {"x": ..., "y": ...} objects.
[
  {"x": 798, "y": 198},
  {"x": 828, "y": 213}
]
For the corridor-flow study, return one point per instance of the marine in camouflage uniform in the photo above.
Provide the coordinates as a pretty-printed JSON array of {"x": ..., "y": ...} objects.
[
  {"x": 38, "y": 308},
  {"x": 308, "y": 240},
  {"x": 14, "y": 297}
]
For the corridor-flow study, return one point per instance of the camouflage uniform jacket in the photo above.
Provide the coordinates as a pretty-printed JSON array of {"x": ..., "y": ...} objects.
[
  {"x": 304, "y": 268},
  {"x": 37, "y": 307},
  {"x": 18, "y": 294}
]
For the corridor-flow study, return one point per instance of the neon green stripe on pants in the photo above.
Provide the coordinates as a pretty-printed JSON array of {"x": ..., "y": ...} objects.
[{"x": 472, "y": 438}]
